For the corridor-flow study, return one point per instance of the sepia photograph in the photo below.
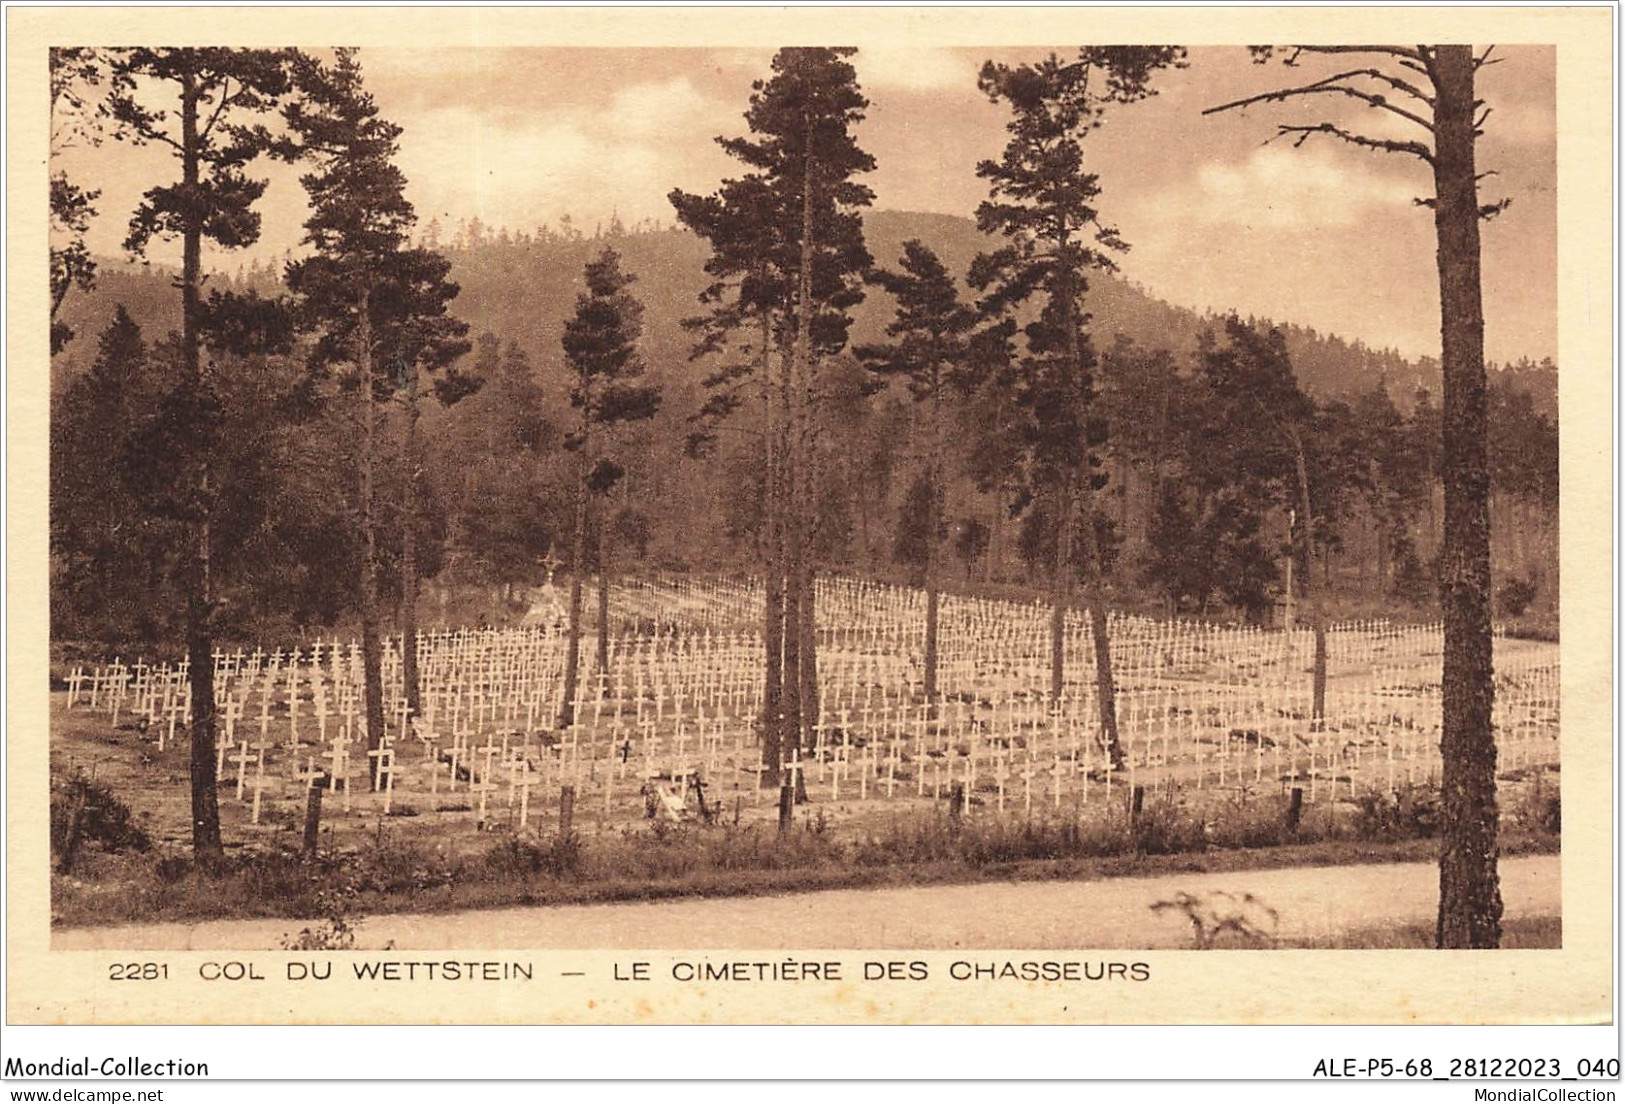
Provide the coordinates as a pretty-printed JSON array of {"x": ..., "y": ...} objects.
[{"x": 948, "y": 530}]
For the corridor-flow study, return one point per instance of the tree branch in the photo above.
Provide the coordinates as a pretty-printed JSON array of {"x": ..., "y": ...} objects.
[
  {"x": 1330, "y": 85},
  {"x": 1303, "y": 133},
  {"x": 161, "y": 136},
  {"x": 1369, "y": 71},
  {"x": 1391, "y": 81},
  {"x": 1413, "y": 53},
  {"x": 220, "y": 108},
  {"x": 1414, "y": 66}
]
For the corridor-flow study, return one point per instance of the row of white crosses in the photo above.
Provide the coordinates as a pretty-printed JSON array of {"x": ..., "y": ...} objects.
[{"x": 1210, "y": 705}]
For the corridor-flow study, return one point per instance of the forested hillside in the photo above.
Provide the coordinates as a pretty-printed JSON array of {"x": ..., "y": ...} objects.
[
  {"x": 522, "y": 286},
  {"x": 497, "y": 474}
]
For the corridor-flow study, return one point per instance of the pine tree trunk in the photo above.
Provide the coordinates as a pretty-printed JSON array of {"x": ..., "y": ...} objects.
[
  {"x": 800, "y": 650},
  {"x": 1311, "y": 594},
  {"x": 790, "y": 680},
  {"x": 1061, "y": 590},
  {"x": 409, "y": 563},
  {"x": 1105, "y": 681},
  {"x": 602, "y": 658},
  {"x": 206, "y": 843},
  {"x": 807, "y": 611},
  {"x": 1469, "y": 881},
  {"x": 372, "y": 646},
  {"x": 933, "y": 600},
  {"x": 933, "y": 526},
  {"x": 773, "y": 568},
  {"x": 1105, "y": 684},
  {"x": 578, "y": 549}
]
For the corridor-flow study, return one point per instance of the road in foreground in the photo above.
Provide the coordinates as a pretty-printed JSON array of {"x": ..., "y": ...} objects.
[{"x": 1310, "y": 903}]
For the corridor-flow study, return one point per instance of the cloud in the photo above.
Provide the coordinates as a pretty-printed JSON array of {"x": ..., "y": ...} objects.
[
  {"x": 1521, "y": 124},
  {"x": 519, "y": 172},
  {"x": 659, "y": 108},
  {"x": 923, "y": 69},
  {"x": 1283, "y": 188}
]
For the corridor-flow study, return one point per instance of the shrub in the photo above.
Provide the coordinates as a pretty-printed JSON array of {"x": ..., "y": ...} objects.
[
  {"x": 564, "y": 856},
  {"x": 515, "y": 857},
  {"x": 1409, "y": 813},
  {"x": 336, "y": 932},
  {"x": 1165, "y": 828},
  {"x": 1256, "y": 823},
  {"x": 1516, "y": 595},
  {"x": 172, "y": 868},
  {"x": 1540, "y": 807},
  {"x": 392, "y": 867},
  {"x": 81, "y": 810}
]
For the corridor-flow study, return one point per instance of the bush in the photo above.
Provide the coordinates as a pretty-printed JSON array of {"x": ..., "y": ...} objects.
[
  {"x": 515, "y": 857},
  {"x": 1410, "y": 813},
  {"x": 564, "y": 856},
  {"x": 1165, "y": 828},
  {"x": 521, "y": 858},
  {"x": 1516, "y": 596},
  {"x": 391, "y": 867},
  {"x": 172, "y": 868},
  {"x": 337, "y": 930},
  {"x": 1540, "y": 807},
  {"x": 82, "y": 810},
  {"x": 1257, "y": 823}
]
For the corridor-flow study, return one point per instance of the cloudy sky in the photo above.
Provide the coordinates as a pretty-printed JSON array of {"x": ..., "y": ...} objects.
[{"x": 1326, "y": 235}]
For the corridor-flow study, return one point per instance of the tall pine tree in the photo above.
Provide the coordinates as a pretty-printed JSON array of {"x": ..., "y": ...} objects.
[
  {"x": 601, "y": 346},
  {"x": 214, "y": 126},
  {"x": 1042, "y": 202},
  {"x": 933, "y": 345},
  {"x": 378, "y": 305},
  {"x": 1427, "y": 100},
  {"x": 791, "y": 233}
]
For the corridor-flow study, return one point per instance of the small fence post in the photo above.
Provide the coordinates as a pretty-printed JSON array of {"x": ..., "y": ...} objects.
[
  {"x": 567, "y": 810},
  {"x": 313, "y": 813},
  {"x": 1294, "y": 810}
]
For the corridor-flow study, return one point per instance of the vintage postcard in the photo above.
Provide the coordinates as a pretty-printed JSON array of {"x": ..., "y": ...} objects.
[{"x": 810, "y": 516}]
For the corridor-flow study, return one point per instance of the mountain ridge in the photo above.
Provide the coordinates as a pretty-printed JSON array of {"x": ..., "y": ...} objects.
[{"x": 522, "y": 288}]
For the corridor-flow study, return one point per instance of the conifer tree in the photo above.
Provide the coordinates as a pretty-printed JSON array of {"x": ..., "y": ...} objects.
[
  {"x": 1426, "y": 96},
  {"x": 748, "y": 300},
  {"x": 1269, "y": 418},
  {"x": 792, "y": 229},
  {"x": 1042, "y": 202},
  {"x": 97, "y": 528},
  {"x": 214, "y": 128},
  {"x": 601, "y": 347},
  {"x": 933, "y": 345},
  {"x": 378, "y": 305},
  {"x": 77, "y": 115}
]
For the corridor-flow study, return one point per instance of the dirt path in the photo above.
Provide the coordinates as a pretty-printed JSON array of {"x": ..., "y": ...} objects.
[{"x": 1117, "y": 913}]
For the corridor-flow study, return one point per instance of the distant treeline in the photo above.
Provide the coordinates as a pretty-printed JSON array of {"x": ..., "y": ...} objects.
[{"x": 1193, "y": 506}]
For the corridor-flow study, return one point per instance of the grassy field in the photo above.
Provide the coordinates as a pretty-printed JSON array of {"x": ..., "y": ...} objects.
[
  {"x": 1534, "y": 933},
  {"x": 1221, "y": 765},
  {"x": 134, "y": 863}
]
